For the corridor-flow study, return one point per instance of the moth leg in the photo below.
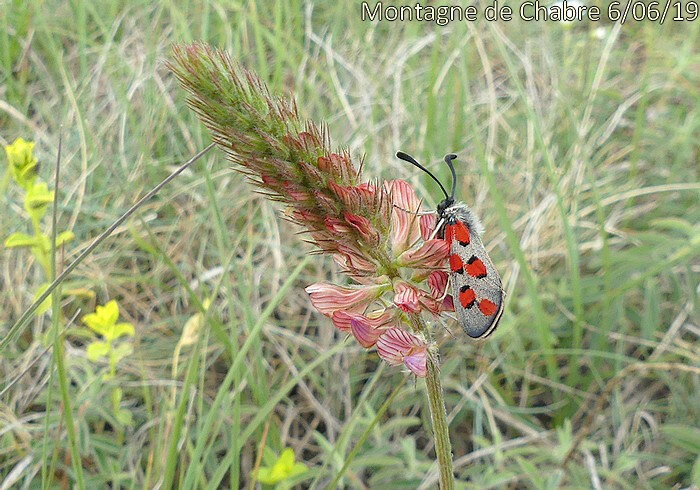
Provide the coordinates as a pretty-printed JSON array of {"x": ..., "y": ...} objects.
[
  {"x": 444, "y": 325},
  {"x": 447, "y": 288},
  {"x": 450, "y": 316},
  {"x": 437, "y": 228},
  {"x": 417, "y": 213}
]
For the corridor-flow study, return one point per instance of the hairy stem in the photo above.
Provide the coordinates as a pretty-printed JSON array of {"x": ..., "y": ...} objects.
[{"x": 438, "y": 416}]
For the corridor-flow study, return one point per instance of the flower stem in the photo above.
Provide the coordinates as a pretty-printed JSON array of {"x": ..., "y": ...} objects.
[{"x": 438, "y": 416}]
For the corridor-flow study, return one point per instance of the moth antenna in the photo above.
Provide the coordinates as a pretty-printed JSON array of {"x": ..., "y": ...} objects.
[
  {"x": 408, "y": 158},
  {"x": 448, "y": 160}
]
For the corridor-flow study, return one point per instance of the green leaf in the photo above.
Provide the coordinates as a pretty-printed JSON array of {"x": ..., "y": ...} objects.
[
  {"x": 124, "y": 416},
  {"x": 683, "y": 436},
  {"x": 64, "y": 237},
  {"x": 677, "y": 224},
  {"x": 119, "y": 330},
  {"x": 117, "y": 394},
  {"x": 37, "y": 199},
  {"x": 532, "y": 471},
  {"x": 79, "y": 292},
  {"x": 44, "y": 244},
  {"x": 97, "y": 349},
  {"x": 121, "y": 352},
  {"x": 297, "y": 469},
  {"x": 18, "y": 239},
  {"x": 265, "y": 475},
  {"x": 46, "y": 304}
]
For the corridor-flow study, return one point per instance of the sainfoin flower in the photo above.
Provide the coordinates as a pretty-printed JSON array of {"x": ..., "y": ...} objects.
[{"x": 372, "y": 229}]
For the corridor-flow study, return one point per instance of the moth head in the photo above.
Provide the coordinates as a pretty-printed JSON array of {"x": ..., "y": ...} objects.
[{"x": 443, "y": 205}]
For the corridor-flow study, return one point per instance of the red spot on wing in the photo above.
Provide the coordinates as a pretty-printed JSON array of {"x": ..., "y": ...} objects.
[
  {"x": 487, "y": 307},
  {"x": 456, "y": 264},
  {"x": 467, "y": 297},
  {"x": 449, "y": 233},
  {"x": 462, "y": 233},
  {"x": 475, "y": 267}
]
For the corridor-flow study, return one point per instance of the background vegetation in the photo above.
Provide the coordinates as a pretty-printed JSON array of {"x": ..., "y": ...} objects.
[{"x": 578, "y": 147}]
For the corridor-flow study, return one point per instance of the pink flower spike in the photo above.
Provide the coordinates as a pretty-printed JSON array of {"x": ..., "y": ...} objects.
[
  {"x": 406, "y": 297},
  {"x": 431, "y": 254},
  {"x": 427, "y": 225},
  {"x": 329, "y": 298},
  {"x": 365, "y": 333},
  {"x": 396, "y": 346}
]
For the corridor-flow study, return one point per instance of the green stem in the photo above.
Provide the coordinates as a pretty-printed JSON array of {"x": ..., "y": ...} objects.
[
  {"x": 58, "y": 353},
  {"x": 438, "y": 416}
]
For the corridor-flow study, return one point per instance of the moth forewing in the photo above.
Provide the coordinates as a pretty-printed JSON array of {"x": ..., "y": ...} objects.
[{"x": 476, "y": 284}]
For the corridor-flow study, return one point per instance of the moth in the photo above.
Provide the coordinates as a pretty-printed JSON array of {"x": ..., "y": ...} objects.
[{"x": 477, "y": 291}]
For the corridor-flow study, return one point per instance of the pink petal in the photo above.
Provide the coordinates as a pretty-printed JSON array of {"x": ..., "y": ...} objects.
[
  {"x": 336, "y": 226},
  {"x": 341, "y": 319},
  {"x": 329, "y": 298},
  {"x": 363, "y": 226},
  {"x": 396, "y": 346},
  {"x": 377, "y": 319},
  {"x": 416, "y": 362},
  {"x": 405, "y": 227},
  {"x": 304, "y": 216},
  {"x": 382, "y": 318},
  {"x": 355, "y": 198},
  {"x": 344, "y": 194},
  {"x": 448, "y": 303},
  {"x": 403, "y": 195},
  {"x": 427, "y": 225},
  {"x": 324, "y": 202},
  {"x": 431, "y": 254},
  {"x": 393, "y": 345},
  {"x": 364, "y": 277},
  {"x": 324, "y": 164},
  {"x": 365, "y": 333},
  {"x": 437, "y": 282},
  {"x": 354, "y": 260},
  {"x": 437, "y": 301},
  {"x": 406, "y": 297},
  {"x": 309, "y": 140},
  {"x": 432, "y": 305},
  {"x": 343, "y": 166},
  {"x": 295, "y": 192}
]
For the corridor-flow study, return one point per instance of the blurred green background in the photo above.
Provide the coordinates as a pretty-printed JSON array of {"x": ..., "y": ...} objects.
[{"x": 578, "y": 147}]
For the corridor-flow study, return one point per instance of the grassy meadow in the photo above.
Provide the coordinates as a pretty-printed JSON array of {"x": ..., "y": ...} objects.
[{"x": 578, "y": 148}]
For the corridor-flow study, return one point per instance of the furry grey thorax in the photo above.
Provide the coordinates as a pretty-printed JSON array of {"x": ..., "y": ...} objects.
[{"x": 449, "y": 212}]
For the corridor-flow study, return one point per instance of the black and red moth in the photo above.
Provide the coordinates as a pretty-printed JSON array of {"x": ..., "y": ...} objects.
[{"x": 476, "y": 284}]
